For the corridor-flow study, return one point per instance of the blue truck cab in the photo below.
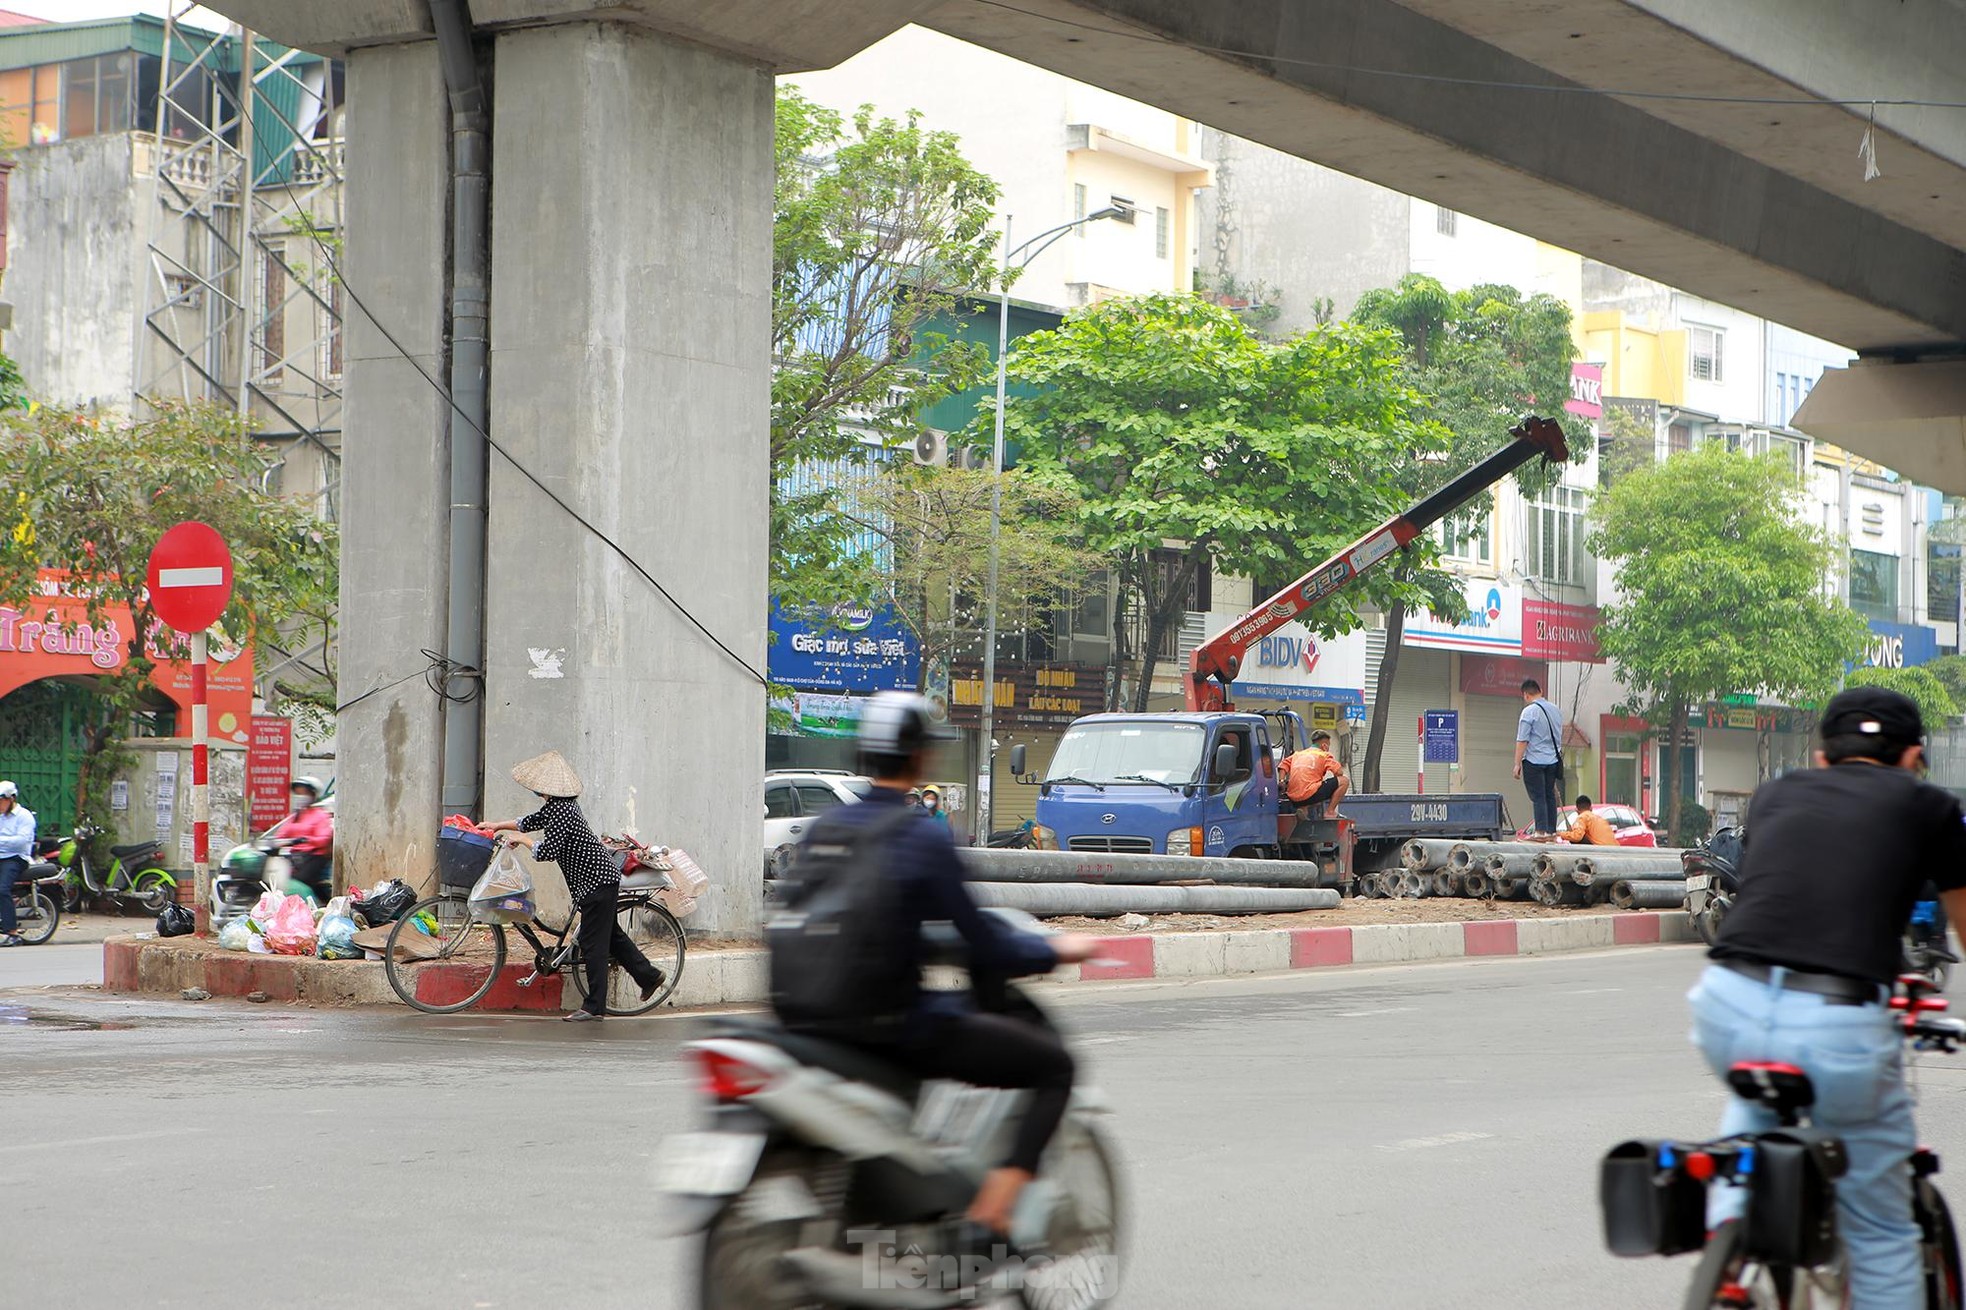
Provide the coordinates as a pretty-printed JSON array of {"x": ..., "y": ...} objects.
[{"x": 1162, "y": 784}]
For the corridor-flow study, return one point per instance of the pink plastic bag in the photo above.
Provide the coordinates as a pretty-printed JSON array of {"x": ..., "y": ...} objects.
[{"x": 291, "y": 929}]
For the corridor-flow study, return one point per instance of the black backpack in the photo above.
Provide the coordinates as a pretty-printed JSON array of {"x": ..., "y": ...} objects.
[{"x": 834, "y": 965}]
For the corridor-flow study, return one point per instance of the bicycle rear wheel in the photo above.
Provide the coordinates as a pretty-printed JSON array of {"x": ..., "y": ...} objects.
[
  {"x": 1727, "y": 1279},
  {"x": 659, "y": 938},
  {"x": 1939, "y": 1247},
  {"x": 439, "y": 960}
]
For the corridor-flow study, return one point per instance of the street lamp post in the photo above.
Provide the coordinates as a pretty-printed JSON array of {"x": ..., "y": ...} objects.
[{"x": 986, "y": 772}]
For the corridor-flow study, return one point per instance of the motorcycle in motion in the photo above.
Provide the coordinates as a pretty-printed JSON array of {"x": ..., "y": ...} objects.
[
  {"x": 828, "y": 1177},
  {"x": 1713, "y": 880}
]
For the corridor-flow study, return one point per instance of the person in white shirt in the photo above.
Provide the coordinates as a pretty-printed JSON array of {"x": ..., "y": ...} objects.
[{"x": 16, "y": 849}]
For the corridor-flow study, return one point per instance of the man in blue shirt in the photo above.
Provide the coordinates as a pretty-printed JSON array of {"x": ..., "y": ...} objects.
[
  {"x": 16, "y": 849},
  {"x": 1538, "y": 761}
]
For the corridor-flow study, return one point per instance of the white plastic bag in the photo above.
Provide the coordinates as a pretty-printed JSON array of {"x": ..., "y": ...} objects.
[
  {"x": 237, "y": 935},
  {"x": 687, "y": 881},
  {"x": 503, "y": 893}
]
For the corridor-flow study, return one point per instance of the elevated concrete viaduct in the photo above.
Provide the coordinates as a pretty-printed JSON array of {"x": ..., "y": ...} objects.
[{"x": 630, "y": 291}]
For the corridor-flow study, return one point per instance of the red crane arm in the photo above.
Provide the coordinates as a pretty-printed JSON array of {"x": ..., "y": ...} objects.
[{"x": 1216, "y": 662}]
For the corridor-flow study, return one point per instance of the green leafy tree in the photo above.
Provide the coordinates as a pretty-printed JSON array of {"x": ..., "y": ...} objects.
[
  {"x": 1191, "y": 443},
  {"x": 90, "y": 495},
  {"x": 935, "y": 523},
  {"x": 876, "y": 224},
  {"x": 1481, "y": 359},
  {"x": 1720, "y": 590},
  {"x": 1936, "y": 705},
  {"x": 1950, "y": 670}
]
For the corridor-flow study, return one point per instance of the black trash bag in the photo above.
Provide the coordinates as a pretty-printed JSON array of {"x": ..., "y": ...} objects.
[
  {"x": 386, "y": 904},
  {"x": 175, "y": 921}
]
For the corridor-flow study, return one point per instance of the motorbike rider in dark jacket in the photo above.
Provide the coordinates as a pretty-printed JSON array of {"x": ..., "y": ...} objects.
[{"x": 943, "y": 1034}]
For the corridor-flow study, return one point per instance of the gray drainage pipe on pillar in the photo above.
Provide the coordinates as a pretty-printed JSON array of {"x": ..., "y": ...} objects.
[
  {"x": 1050, "y": 900},
  {"x": 470, "y": 416}
]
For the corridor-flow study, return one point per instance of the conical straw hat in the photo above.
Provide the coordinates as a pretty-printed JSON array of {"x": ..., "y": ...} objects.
[{"x": 548, "y": 775}]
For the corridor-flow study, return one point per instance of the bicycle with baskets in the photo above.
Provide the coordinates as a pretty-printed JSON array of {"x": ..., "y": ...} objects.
[
  {"x": 1786, "y": 1253},
  {"x": 442, "y": 930}
]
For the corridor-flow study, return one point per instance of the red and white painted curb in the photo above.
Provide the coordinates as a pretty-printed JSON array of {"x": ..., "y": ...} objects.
[{"x": 740, "y": 977}]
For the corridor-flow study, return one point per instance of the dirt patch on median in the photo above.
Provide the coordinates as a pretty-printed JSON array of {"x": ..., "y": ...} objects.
[{"x": 1350, "y": 913}]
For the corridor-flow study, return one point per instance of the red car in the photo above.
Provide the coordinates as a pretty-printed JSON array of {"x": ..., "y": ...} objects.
[{"x": 1626, "y": 822}]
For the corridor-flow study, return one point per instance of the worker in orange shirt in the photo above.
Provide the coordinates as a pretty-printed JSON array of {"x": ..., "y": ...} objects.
[
  {"x": 1590, "y": 829},
  {"x": 1313, "y": 777}
]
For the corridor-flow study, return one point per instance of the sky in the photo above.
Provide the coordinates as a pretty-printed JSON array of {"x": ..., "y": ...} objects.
[{"x": 77, "y": 11}]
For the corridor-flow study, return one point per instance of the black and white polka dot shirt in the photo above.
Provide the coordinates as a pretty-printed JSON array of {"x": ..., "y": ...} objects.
[{"x": 571, "y": 844}]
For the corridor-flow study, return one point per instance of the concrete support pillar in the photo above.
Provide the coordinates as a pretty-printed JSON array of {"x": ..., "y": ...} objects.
[
  {"x": 396, "y": 469},
  {"x": 631, "y": 252}
]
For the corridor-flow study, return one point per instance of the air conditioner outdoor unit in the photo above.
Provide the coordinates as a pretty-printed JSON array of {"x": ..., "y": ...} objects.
[{"x": 931, "y": 448}]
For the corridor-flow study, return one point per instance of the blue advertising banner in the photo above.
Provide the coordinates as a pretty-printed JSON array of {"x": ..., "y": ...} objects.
[
  {"x": 1900, "y": 645},
  {"x": 859, "y": 648}
]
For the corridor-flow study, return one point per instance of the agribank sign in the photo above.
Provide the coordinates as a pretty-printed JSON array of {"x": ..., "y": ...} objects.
[{"x": 53, "y": 637}]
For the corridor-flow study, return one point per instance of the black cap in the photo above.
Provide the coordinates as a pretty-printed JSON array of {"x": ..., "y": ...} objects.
[{"x": 1879, "y": 712}]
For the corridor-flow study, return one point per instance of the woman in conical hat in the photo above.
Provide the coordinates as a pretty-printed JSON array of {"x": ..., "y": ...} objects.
[{"x": 558, "y": 831}]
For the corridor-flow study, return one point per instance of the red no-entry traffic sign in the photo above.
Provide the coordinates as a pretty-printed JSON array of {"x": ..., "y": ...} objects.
[{"x": 190, "y": 577}]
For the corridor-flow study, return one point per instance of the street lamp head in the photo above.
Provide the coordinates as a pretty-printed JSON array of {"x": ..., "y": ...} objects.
[{"x": 1110, "y": 211}]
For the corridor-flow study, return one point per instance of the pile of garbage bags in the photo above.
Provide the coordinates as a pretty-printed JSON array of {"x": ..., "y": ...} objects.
[{"x": 284, "y": 924}]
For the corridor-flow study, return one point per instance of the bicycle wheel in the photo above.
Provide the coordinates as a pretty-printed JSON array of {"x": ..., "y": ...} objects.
[
  {"x": 154, "y": 888},
  {"x": 1939, "y": 1247},
  {"x": 439, "y": 930},
  {"x": 659, "y": 938},
  {"x": 39, "y": 916}
]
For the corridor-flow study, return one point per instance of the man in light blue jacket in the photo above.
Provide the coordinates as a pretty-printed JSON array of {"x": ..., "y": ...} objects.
[
  {"x": 16, "y": 849},
  {"x": 1538, "y": 754}
]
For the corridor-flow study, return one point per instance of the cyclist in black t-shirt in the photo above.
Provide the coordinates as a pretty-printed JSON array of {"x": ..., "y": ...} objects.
[{"x": 1803, "y": 966}]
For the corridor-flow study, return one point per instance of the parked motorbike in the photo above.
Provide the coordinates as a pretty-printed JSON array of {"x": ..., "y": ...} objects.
[
  {"x": 135, "y": 875},
  {"x": 829, "y": 1176},
  {"x": 1013, "y": 839},
  {"x": 1713, "y": 880},
  {"x": 37, "y": 902}
]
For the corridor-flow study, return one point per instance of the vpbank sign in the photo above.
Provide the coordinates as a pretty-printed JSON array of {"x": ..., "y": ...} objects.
[{"x": 1491, "y": 623}]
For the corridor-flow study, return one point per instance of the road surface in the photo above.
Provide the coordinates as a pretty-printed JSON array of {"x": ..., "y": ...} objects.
[{"x": 1410, "y": 1136}]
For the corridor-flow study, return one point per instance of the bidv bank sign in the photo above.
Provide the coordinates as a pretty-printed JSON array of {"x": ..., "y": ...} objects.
[{"x": 1296, "y": 664}]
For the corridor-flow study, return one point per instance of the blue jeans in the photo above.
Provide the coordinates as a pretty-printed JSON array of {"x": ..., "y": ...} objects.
[
  {"x": 1542, "y": 780},
  {"x": 1855, "y": 1057},
  {"x": 11, "y": 867}
]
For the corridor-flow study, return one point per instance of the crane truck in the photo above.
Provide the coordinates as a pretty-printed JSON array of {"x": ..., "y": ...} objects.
[{"x": 1204, "y": 781}]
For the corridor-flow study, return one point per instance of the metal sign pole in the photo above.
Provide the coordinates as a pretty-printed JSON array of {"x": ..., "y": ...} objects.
[{"x": 201, "y": 796}]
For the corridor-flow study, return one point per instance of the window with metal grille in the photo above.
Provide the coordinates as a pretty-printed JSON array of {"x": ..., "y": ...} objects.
[
  {"x": 1468, "y": 535},
  {"x": 1445, "y": 220},
  {"x": 1162, "y": 223},
  {"x": 273, "y": 309},
  {"x": 1553, "y": 539},
  {"x": 1078, "y": 208},
  {"x": 1704, "y": 348}
]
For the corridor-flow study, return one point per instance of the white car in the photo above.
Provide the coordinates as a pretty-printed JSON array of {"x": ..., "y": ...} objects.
[{"x": 795, "y": 797}]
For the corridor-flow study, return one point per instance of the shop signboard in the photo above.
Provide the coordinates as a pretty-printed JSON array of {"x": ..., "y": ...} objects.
[
  {"x": 269, "y": 770},
  {"x": 53, "y": 636},
  {"x": 1028, "y": 695},
  {"x": 1555, "y": 631},
  {"x": 1754, "y": 718},
  {"x": 1500, "y": 675},
  {"x": 1586, "y": 391},
  {"x": 1295, "y": 664},
  {"x": 1491, "y": 624},
  {"x": 848, "y": 648},
  {"x": 1900, "y": 645}
]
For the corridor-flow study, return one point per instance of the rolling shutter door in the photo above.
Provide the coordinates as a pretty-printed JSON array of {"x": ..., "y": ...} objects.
[
  {"x": 1488, "y": 750},
  {"x": 1420, "y": 685}
]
